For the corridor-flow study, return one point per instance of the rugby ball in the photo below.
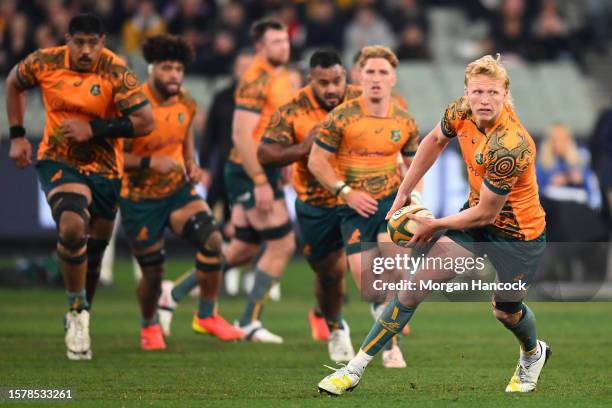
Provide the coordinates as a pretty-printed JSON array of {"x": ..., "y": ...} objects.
[{"x": 401, "y": 228}]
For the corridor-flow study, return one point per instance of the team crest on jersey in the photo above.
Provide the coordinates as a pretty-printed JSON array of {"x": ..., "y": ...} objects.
[
  {"x": 396, "y": 135},
  {"x": 95, "y": 90},
  {"x": 181, "y": 117},
  {"x": 479, "y": 158}
]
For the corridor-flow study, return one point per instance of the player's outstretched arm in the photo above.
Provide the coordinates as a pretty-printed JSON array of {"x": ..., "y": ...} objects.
[
  {"x": 428, "y": 152},
  {"x": 21, "y": 150}
]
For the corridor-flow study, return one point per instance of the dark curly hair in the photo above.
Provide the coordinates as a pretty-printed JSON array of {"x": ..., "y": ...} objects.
[{"x": 167, "y": 47}]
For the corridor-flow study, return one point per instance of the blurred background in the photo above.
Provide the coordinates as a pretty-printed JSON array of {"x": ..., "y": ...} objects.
[{"x": 557, "y": 51}]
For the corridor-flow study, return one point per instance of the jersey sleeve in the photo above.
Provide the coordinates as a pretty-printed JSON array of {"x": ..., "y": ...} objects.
[
  {"x": 450, "y": 119},
  {"x": 410, "y": 147},
  {"x": 127, "y": 90},
  {"x": 330, "y": 132},
  {"x": 251, "y": 94},
  {"x": 507, "y": 159},
  {"x": 280, "y": 128},
  {"x": 30, "y": 69}
]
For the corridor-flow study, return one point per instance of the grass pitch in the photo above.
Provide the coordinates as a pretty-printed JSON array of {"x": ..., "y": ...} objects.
[{"x": 458, "y": 354}]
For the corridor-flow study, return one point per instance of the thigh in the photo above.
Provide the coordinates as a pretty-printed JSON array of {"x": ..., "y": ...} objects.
[
  {"x": 104, "y": 196},
  {"x": 144, "y": 222},
  {"x": 320, "y": 231},
  {"x": 261, "y": 220},
  {"x": 179, "y": 217},
  {"x": 101, "y": 228}
]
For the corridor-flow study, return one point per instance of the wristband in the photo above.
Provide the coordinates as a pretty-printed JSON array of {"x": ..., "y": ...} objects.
[
  {"x": 345, "y": 190},
  {"x": 415, "y": 197},
  {"x": 338, "y": 187},
  {"x": 260, "y": 179},
  {"x": 145, "y": 162},
  {"x": 115, "y": 127},
  {"x": 16, "y": 132}
]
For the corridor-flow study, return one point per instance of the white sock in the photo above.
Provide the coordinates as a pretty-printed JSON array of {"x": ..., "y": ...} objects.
[
  {"x": 360, "y": 361},
  {"x": 527, "y": 359}
]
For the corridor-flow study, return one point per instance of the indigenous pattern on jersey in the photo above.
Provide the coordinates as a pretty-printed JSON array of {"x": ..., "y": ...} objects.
[
  {"x": 291, "y": 124},
  {"x": 262, "y": 90},
  {"x": 366, "y": 146},
  {"x": 109, "y": 90},
  {"x": 504, "y": 160},
  {"x": 172, "y": 121}
]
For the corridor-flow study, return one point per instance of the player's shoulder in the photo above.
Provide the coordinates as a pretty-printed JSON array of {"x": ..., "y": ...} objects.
[
  {"x": 256, "y": 73},
  {"x": 353, "y": 91},
  {"x": 187, "y": 99},
  {"x": 48, "y": 58},
  {"x": 457, "y": 109},
  {"x": 511, "y": 135},
  {"x": 401, "y": 114}
]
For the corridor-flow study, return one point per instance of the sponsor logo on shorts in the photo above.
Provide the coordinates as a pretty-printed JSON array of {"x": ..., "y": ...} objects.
[
  {"x": 57, "y": 176},
  {"x": 355, "y": 236},
  {"x": 244, "y": 197},
  {"x": 143, "y": 234}
]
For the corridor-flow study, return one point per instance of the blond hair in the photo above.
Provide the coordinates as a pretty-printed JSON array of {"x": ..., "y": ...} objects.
[
  {"x": 547, "y": 156},
  {"x": 491, "y": 67},
  {"x": 377, "y": 51}
]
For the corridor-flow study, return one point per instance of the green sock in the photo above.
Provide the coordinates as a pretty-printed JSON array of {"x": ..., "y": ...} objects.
[
  {"x": 391, "y": 321},
  {"x": 183, "y": 285},
  {"x": 77, "y": 300},
  {"x": 525, "y": 330},
  {"x": 334, "y": 322},
  {"x": 148, "y": 322},
  {"x": 206, "y": 308},
  {"x": 394, "y": 341},
  {"x": 257, "y": 297}
]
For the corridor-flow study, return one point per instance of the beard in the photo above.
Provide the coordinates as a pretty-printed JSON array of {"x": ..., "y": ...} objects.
[{"x": 163, "y": 89}]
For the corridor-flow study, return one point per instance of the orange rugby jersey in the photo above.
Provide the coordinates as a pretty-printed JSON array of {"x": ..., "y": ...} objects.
[
  {"x": 172, "y": 121},
  {"x": 366, "y": 146},
  {"x": 262, "y": 89},
  {"x": 290, "y": 125},
  {"x": 109, "y": 90},
  {"x": 504, "y": 160}
]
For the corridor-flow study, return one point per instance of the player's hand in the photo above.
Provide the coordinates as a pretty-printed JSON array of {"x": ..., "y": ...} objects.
[
  {"x": 78, "y": 130},
  {"x": 264, "y": 197},
  {"x": 309, "y": 139},
  {"x": 426, "y": 227},
  {"x": 21, "y": 152},
  {"x": 206, "y": 178},
  {"x": 362, "y": 203},
  {"x": 162, "y": 164},
  {"x": 402, "y": 199},
  {"x": 194, "y": 172}
]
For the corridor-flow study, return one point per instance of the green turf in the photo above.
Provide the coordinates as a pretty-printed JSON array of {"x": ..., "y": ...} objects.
[{"x": 457, "y": 354}]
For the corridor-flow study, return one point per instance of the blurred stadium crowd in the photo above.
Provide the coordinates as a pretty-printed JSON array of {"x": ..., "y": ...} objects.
[
  {"x": 540, "y": 30},
  {"x": 556, "y": 51}
]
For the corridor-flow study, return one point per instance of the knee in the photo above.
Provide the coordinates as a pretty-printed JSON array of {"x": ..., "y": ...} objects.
[
  {"x": 214, "y": 242},
  {"x": 408, "y": 299},
  {"x": 508, "y": 313},
  {"x": 72, "y": 229}
]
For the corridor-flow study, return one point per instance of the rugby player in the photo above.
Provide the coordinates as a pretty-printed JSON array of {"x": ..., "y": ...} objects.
[
  {"x": 364, "y": 137},
  {"x": 92, "y": 100},
  {"x": 158, "y": 192},
  {"x": 502, "y": 218}
]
